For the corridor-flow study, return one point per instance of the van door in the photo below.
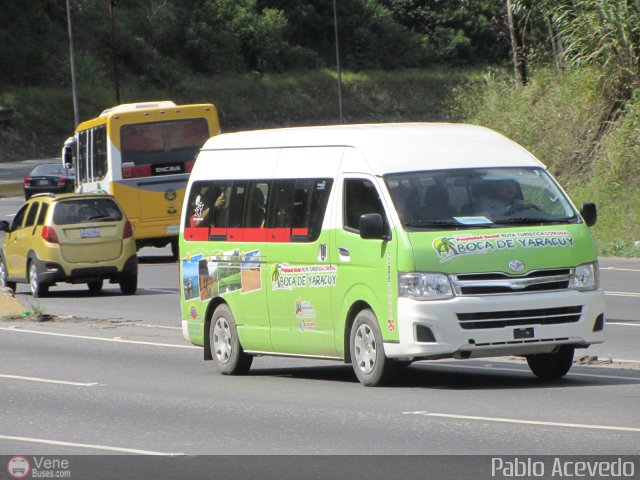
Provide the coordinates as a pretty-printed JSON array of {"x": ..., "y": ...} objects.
[
  {"x": 302, "y": 277},
  {"x": 366, "y": 267}
]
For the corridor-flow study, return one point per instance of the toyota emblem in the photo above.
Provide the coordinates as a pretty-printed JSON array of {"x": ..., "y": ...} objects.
[{"x": 516, "y": 265}]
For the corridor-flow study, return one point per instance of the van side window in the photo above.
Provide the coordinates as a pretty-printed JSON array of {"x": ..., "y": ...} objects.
[
  {"x": 256, "y": 205},
  {"x": 281, "y": 204},
  {"x": 360, "y": 197},
  {"x": 236, "y": 204},
  {"x": 31, "y": 216},
  {"x": 199, "y": 209}
]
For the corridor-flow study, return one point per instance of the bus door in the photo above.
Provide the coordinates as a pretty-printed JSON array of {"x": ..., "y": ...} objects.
[
  {"x": 301, "y": 277},
  {"x": 91, "y": 161}
]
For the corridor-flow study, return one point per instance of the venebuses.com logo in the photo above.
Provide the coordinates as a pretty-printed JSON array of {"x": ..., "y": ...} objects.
[{"x": 18, "y": 467}]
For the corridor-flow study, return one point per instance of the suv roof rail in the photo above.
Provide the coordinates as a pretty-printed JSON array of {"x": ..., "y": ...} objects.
[{"x": 45, "y": 194}]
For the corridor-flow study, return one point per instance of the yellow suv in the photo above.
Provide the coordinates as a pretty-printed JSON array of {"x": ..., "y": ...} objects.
[{"x": 73, "y": 238}]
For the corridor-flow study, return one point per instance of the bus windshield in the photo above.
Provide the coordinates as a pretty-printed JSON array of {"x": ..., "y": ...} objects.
[
  {"x": 471, "y": 198},
  {"x": 161, "y": 148}
]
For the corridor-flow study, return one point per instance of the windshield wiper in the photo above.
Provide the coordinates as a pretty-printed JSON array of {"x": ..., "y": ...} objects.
[
  {"x": 532, "y": 220},
  {"x": 437, "y": 223}
]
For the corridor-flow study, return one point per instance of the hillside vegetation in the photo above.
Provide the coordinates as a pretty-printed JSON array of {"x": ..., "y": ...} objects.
[{"x": 561, "y": 77}]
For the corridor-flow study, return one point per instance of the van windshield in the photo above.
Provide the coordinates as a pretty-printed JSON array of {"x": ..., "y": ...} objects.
[{"x": 471, "y": 198}]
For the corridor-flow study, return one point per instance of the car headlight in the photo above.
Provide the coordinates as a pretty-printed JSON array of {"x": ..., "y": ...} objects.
[
  {"x": 424, "y": 286},
  {"x": 584, "y": 277}
]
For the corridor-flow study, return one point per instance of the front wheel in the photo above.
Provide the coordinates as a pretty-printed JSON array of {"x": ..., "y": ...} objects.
[
  {"x": 95, "y": 286},
  {"x": 226, "y": 350},
  {"x": 370, "y": 363},
  {"x": 4, "y": 282},
  {"x": 37, "y": 289},
  {"x": 551, "y": 366}
]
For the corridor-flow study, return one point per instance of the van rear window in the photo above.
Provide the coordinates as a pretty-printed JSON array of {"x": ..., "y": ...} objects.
[{"x": 86, "y": 210}]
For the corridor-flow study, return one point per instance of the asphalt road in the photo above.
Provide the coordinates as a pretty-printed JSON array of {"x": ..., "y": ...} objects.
[{"x": 119, "y": 379}]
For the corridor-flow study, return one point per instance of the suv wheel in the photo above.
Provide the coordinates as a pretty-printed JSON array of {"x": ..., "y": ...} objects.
[
  {"x": 3, "y": 277},
  {"x": 37, "y": 288},
  {"x": 129, "y": 284}
]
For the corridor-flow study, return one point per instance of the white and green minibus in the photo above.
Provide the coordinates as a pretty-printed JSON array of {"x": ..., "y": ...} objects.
[{"x": 380, "y": 245}]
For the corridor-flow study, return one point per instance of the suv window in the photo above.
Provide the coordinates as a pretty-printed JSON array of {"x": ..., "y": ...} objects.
[
  {"x": 31, "y": 216},
  {"x": 86, "y": 210},
  {"x": 17, "y": 220}
]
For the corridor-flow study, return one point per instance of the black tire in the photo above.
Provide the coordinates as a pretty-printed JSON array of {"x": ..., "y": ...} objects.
[
  {"x": 224, "y": 343},
  {"x": 551, "y": 366},
  {"x": 175, "y": 251},
  {"x": 128, "y": 284},
  {"x": 369, "y": 361},
  {"x": 95, "y": 286},
  {"x": 3, "y": 277},
  {"x": 37, "y": 288}
]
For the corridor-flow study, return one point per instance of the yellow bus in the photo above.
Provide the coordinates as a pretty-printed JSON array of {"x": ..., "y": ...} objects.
[{"x": 142, "y": 154}]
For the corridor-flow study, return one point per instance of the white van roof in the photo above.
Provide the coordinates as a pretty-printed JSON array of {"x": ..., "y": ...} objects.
[{"x": 394, "y": 147}]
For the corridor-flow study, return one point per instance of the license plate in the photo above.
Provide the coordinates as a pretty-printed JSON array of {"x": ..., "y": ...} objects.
[
  {"x": 173, "y": 229},
  {"x": 90, "y": 233},
  {"x": 522, "y": 333},
  {"x": 42, "y": 182}
]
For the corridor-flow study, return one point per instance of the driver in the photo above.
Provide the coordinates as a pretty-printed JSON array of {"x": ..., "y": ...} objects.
[{"x": 502, "y": 200}]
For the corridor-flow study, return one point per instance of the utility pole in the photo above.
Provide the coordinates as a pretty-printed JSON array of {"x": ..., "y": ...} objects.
[
  {"x": 114, "y": 59},
  {"x": 74, "y": 88},
  {"x": 335, "y": 26}
]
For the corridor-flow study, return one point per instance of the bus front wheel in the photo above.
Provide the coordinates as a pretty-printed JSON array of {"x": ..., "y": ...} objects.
[{"x": 226, "y": 350}]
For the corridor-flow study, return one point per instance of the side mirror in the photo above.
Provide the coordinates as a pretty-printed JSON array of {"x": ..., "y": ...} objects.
[
  {"x": 372, "y": 226},
  {"x": 68, "y": 158},
  {"x": 4, "y": 226},
  {"x": 590, "y": 213}
]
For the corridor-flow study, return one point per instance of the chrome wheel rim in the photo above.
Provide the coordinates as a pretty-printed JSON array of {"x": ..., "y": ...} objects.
[
  {"x": 222, "y": 340},
  {"x": 33, "y": 279},
  {"x": 365, "y": 349},
  {"x": 3, "y": 275}
]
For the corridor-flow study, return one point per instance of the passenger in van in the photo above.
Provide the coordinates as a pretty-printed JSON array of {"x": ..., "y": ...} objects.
[
  {"x": 502, "y": 200},
  {"x": 256, "y": 209}
]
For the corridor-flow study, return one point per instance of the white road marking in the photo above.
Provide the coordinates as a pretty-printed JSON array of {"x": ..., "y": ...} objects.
[
  {"x": 618, "y": 269},
  {"x": 622, "y": 294},
  {"x": 47, "y": 380},
  {"x": 526, "y": 422},
  {"x": 85, "y": 445},
  {"x": 519, "y": 370},
  {"x": 100, "y": 339},
  {"x": 626, "y": 324},
  {"x": 155, "y": 326}
]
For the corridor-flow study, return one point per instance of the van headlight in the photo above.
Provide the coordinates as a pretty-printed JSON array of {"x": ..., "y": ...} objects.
[
  {"x": 424, "y": 286},
  {"x": 584, "y": 277}
]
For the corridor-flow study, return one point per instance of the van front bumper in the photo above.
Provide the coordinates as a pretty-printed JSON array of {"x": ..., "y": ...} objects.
[{"x": 515, "y": 324}]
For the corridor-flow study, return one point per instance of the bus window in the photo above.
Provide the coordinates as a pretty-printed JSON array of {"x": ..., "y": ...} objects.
[
  {"x": 99, "y": 158},
  {"x": 161, "y": 148}
]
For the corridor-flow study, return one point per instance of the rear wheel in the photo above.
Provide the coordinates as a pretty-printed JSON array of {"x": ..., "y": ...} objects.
[
  {"x": 4, "y": 275},
  {"x": 95, "y": 286},
  {"x": 37, "y": 288},
  {"x": 551, "y": 366},
  {"x": 226, "y": 350},
  {"x": 129, "y": 284},
  {"x": 370, "y": 364}
]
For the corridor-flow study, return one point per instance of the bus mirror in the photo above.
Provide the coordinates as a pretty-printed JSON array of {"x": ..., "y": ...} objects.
[
  {"x": 68, "y": 158},
  {"x": 590, "y": 213},
  {"x": 371, "y": 226}
]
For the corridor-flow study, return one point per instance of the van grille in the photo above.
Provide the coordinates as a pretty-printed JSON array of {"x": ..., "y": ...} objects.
[
  {"x": 501, "y": 283},
  {"x": 515, "y": 318}
]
